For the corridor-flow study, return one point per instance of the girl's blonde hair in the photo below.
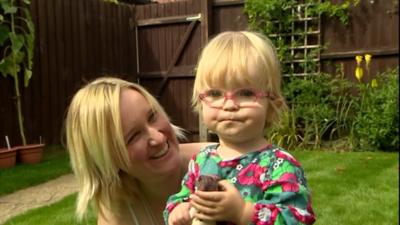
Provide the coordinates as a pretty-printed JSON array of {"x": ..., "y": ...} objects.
[
  {"x": 240, "y": 58},
  {"x": 96, "y": 145}
]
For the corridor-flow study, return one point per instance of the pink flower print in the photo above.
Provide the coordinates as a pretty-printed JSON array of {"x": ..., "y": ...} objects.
[
  {"x": 288, "y": 157},
  {"x": 194, "y": 171},
  {"x": 289, "y": 183},
  {"x": 251, "y": 175},
  {"x": 302, "y": 215},
  {"x": 265, "y": 214},
  {"x": 228, "y": 163},
  {"x": 171, "y": 206}
]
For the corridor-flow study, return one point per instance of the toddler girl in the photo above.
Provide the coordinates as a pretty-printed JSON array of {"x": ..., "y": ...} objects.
[{"x": 237, "y": 92}]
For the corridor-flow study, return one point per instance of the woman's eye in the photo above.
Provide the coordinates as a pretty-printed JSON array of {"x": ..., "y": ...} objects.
[
  {"x": 153, "y": 116},
  {"x": 133, "y": 138},
  {"x": 246, "y": 93}
]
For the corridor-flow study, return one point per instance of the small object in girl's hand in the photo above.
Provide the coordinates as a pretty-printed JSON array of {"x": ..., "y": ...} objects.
[{"x": 206, "y": 183}]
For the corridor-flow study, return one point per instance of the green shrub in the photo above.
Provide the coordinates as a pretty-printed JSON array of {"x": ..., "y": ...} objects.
[
  {"x": 321, "y": 109},
  {"x": 328, "y": 108},
  {"x": 377, "y": 120}
]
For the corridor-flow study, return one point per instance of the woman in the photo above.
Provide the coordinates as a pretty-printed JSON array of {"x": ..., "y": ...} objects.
[{"x": 124, "y": 152}]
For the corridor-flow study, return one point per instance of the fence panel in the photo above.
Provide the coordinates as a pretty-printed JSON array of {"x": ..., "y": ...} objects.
[
  {"x": 76, "y": 41},
  {"x": 169, "y": 39},
  {"x": 373, "y": 29}
]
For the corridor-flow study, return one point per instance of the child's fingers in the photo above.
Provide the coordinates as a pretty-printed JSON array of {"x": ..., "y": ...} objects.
[
  {"x": 213, "y": 196},
  {"x": 204, "y": 217},
  {"x": 225, "y": 184},
  {"x": 200, "y": 201}
]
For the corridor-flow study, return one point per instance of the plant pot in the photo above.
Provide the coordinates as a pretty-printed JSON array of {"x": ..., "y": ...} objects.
[
  {"x": 8, "y": 157},
  {"x": 30, "y": 154}
]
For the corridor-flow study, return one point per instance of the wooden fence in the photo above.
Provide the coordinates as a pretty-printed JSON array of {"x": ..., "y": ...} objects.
[
  {"x": 158, "y": 45},
  {"x": 76, "y": 41}
]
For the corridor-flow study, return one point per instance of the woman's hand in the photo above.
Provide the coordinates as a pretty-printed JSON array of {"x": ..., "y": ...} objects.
[
  {"x": 180, "y": 215},
  {"x": 226, "y": 205}
]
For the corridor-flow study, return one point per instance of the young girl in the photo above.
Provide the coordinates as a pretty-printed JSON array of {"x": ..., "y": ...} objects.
[{"x": 237, "y": 92}]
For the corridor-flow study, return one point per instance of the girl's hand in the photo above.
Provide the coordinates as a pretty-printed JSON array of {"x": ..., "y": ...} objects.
[
  {"x": 180, "y": 215},
  {"x": 226, "y": 205}
]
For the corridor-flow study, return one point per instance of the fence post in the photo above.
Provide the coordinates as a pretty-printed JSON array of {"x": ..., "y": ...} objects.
[{"x": 206, "y": 12}]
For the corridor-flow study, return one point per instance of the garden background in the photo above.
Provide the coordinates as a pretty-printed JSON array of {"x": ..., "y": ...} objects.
[{"x": 341, "y": 81}]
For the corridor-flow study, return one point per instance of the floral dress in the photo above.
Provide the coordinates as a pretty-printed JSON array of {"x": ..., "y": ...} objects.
[{"x": 270, "y": 178}]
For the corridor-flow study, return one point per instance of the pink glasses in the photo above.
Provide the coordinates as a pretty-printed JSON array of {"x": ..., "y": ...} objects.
[{"x": 216, "y": 97}]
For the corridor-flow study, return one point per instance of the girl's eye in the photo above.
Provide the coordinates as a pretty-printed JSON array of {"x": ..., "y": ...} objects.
[
  {"x": 246, "y": 93},
  {"x": 215, "y": 93}
]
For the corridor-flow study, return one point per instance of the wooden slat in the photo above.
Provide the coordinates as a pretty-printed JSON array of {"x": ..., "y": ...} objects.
[
  {"x": 352, "y": 54},
  {"x": 44, "y": 73},
  {"x": 228, "y": 2},
  {"x": 60, "y": 65},
  {"x": 185, "y": 71},
  {"x": 177, "y": 53}
]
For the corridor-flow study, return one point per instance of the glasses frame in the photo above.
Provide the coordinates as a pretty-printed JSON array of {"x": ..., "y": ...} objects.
[{"x": 231, "y": 95}]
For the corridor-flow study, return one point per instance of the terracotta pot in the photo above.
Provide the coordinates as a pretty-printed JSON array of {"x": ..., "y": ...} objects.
[
  {"x": 8, "y": 157},
  {"x": 30, "y": 154}
]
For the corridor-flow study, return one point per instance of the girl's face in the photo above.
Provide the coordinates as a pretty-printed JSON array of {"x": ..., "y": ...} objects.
[
  {"x": 151, "y": 142},
  {"x": 232, "y": 118}
]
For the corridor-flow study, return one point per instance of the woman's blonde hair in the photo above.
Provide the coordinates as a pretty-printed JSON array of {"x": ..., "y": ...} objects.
[
  {"x": 96, "y": 145},
  {"x": 240, "y": 58}
]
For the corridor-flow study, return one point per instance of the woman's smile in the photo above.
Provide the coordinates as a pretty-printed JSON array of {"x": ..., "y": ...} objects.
[{"x": 161, "y": 153}]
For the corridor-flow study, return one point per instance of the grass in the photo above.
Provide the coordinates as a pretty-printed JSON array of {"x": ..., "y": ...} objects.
[
  {"x": 61, "y": 213},
  {"x": 54, "y": 164},
  {"x": 350, "y": 188},
  {"x": 353, "y": 188}
]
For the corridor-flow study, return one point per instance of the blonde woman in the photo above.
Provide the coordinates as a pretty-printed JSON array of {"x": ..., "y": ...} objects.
[
  {"x": 124, "y": 152},
  {"x": 237, "y": 92}
]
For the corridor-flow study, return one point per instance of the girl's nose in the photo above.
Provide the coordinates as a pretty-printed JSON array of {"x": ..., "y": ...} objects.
[
  {"x": 156, "y": 137},
  {"x": 230, "y": 105}
]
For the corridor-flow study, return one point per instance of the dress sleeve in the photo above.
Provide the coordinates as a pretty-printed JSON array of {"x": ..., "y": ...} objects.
[
  {"x": 187, "y": 187},
  {"x": 286, "y": 197}
]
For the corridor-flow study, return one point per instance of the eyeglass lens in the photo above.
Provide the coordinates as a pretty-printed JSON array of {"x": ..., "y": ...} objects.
[{"x": 217, "y": 97}]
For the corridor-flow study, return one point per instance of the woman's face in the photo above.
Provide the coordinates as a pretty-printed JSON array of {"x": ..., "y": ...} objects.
[{"x": 149, "y": 138}]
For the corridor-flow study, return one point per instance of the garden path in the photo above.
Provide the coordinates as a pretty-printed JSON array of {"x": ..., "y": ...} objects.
[{"x": 36, "y": 196}]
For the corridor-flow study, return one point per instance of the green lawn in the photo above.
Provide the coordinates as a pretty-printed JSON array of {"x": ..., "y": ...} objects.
[
  {"x": 351, "y": 188},
  {"x": 54, "y": 164},
  {"x": 60, "y": 213}
]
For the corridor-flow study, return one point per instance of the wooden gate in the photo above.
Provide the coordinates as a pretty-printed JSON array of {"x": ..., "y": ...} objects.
[{"x": 169, "y": 38}]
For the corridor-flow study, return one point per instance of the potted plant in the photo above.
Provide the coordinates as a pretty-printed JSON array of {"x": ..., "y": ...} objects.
[
  {"x": 17, "y": 35},
  {"x": 7, "y": 156}
]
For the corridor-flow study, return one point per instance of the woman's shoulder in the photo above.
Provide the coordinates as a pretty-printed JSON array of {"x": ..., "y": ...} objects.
[{"x": 106, "y": 217}]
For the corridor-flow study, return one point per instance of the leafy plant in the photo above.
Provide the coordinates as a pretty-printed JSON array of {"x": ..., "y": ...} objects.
[
  {"x": 330, "y": 108},
  {"x": 16, "y": 44},
  {"x": 312, "y": 101},
  {"x": 376, "y": 122},
  {"x": 285, "y": 134},
  {"x": 283, "y": 22}
]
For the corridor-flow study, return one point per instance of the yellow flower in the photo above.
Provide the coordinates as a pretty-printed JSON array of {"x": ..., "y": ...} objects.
[
  {"x": 374, "y": 83},
  {"x": 367, "y": 59},
  {"x": 359, "y": 59},
  {"x": 359, "y": 73}
]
